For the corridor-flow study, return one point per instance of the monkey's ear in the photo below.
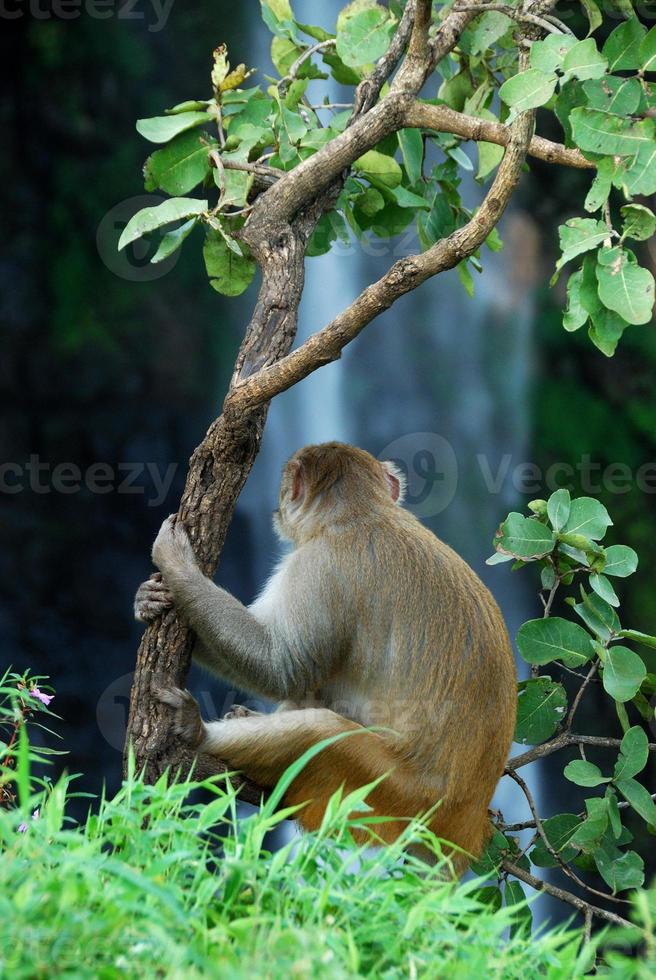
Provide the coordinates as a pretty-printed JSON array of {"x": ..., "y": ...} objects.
[
  {"x": 395, "y": 481},
  {"x": 297, "y": 489}
]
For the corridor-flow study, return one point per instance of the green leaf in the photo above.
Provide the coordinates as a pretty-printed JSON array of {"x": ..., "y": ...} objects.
[
  {"x": 318, "y": 33},
  {"x": 527, "y": 90},
  {"x": 598, "y": 616},
  {"x": 541, "y": 707},
  {"x": 603, "y": 588},
  {"x": 639, "y": 222},
  {"x": 548, "y": 55},
  {"x": 412, "y": 151},
  {"x": 624, "y": 672},
  {"x": 515, "y": 897},
  {"x": 576, "y": 314},
  {"x": 612, "y": 94},
  {"x": 639, "y": 798},
  {"x": 606, "y": 330},
  {"x": 584, "y": 773},
  {"x": 593, "y": 13},
  {"x": 621, "y": 561},
  {"x": 569, "y": 98},
  {"x": 363, "y": 33},
  {"x": 160, "y": 129},
  {"x": 603, "y": 132},
  {"x": 579, "y": 235},
  {"x": 589, "y": 517},
  {"x": 489, "y": 154},
  {"x": 558, "y": 830},
  {"x": 178, "y": 167},
  {"x": 278, "y": 16},
  {"x": 638, "y": 637},
  {"x": 230, "y": 274},
  {"x": 540, "y": 641},
  {"x": 601, "y": 185},
  {"x": 380, "y": 167},
  {"x": 407, "y": 199},
  {"x": 622, "y": 49},
  {"x": 647, "y": 51},
  {"x": 370, "y": 201},
  {"x": 588, "y": 834},
  {"x": 619, "y": 870},
  {"x": 558, "y": 508},
  {"x": 455, "y": 91},
  {"x": 172, "y": 241},
  {"x": 149, "y": 219},
  {"x": 524, "y": 537},
  {"x": 626, "y": 287},
  {"x": 640, "y": 176},
  {"x": 634, "y": 753},
  {"x": 235, "y": 186},
  {"x": 486, "y": 30},
  {"x": 584, "y": 61}
]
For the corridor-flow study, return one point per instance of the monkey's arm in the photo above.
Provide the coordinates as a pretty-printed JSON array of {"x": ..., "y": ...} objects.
[{"x": 254, "y": 653}]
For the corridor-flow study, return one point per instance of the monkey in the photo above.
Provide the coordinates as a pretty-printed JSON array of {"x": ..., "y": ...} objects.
[{"x": 369, "y": 625}]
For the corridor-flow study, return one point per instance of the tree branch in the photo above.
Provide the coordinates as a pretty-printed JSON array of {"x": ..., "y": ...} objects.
[
  {"x": 537, "y": 823},
  {"x": 404, "y": 276},
  {"x": 442, "y": 119},
  {"x": 562, "y": 741},
  {"x": 302, "y": 184},
  {"x": 578, "y": 903}
]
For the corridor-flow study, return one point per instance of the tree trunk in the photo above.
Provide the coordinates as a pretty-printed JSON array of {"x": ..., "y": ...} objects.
[{"x": 218, "y": 470}]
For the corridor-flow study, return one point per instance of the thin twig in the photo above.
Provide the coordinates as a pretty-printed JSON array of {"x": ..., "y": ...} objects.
[
  {"x": 581, "y": 691},
  {"x": 521, "y": 16},
  {"x": 302, "y": 58},
  {"x": 550, "y": 848},
  {"x": 563, "y": 740},
  {"x": 578, "y": 903}
]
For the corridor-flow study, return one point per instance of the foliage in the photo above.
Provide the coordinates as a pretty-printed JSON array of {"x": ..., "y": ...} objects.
[
  {"x": 600, "y": 97},
  {"x": 562, "y": 537},
  {"x": 153, "y": 884}
]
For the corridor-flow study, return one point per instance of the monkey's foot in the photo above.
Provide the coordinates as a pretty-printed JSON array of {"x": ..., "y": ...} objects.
[
  {"x": 239, "y": 711},
  {"x": 187, "y": 722},
  {"x": 152, "y": 599}
]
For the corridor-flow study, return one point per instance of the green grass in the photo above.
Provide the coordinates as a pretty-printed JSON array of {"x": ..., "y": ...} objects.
[
  {"x": 147, "y": 888},
  {"x": 153, "y": 885}
]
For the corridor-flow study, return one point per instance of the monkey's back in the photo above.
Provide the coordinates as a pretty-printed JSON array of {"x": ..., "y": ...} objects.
[{"x": 432, "y": 653}]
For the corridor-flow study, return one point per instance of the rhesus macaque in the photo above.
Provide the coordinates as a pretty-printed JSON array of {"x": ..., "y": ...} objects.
[{"x": 369, "y": 621}]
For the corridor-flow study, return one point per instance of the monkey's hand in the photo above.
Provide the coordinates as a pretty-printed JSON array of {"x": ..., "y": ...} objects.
[
  {"x": 152, "y": 599},
  {"x": 187, "y": 722},
  {"x": 172, "y": 550}
]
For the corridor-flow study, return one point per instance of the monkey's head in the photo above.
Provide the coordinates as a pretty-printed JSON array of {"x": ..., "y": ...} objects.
[{"x": 331, "y": 483}]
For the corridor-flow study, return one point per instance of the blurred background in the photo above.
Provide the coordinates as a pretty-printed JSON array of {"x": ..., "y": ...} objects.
[{"x": 112, "y": 369}]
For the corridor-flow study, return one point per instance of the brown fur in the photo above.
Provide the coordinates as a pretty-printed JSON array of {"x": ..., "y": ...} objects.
[{"x": 371, "y": 621}]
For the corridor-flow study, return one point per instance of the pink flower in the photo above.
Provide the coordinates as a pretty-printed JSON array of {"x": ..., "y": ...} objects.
[
  {"x": 22, "y": 827},
  {"x": 40, "y": 696}
]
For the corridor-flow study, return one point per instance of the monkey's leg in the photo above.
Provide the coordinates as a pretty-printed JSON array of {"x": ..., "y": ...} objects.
[{"x": 263, "y": 747}]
